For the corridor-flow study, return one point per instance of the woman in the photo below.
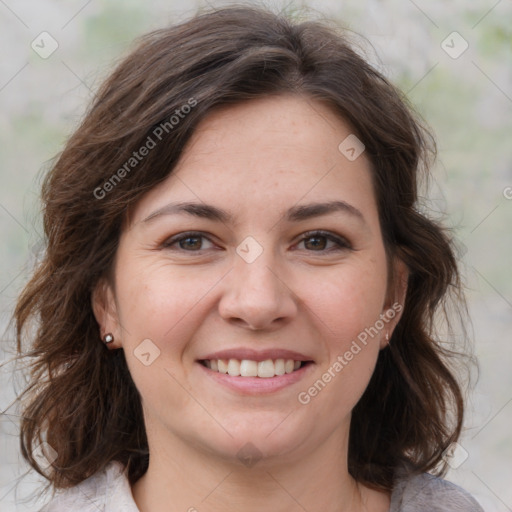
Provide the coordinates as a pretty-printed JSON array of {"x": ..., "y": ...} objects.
[{"x": 236, "y": 304}]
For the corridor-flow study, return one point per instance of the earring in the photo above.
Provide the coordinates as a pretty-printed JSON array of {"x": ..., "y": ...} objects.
[
  {"x": 108, "y": 338},
  {"x": 387, "y": 337}
]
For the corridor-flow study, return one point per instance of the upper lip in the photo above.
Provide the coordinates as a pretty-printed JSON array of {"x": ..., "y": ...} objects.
[{"x": 256, "y": 355}]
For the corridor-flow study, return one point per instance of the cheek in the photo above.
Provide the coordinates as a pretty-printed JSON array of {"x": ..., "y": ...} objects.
[
  {"x": 348, "y": 300},
  {"x": 158, "y": 302},
  {"x": 347, "y": 304},
  {"x": 163, "y": 305}
]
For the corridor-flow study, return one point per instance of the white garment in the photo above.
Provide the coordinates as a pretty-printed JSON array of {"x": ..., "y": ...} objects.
[
  {"x": 109, "y": 491},
  {"x": 106, "y": 491}
]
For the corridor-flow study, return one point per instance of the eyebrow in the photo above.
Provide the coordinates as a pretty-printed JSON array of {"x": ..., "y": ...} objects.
[{"x": 296, "y": 213}]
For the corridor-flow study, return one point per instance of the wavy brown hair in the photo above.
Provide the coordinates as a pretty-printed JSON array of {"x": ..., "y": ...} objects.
[{"x": 81, "y": 399}]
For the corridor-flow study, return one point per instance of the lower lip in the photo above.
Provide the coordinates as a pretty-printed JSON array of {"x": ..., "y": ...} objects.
[{"x": 257, "y": 385}]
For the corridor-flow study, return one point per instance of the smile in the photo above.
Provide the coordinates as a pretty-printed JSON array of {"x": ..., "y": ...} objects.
[{"x": 248, "y": 368}]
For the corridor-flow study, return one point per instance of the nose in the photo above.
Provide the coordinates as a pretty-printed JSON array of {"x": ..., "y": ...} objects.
[{"x": 256, "y": 296}]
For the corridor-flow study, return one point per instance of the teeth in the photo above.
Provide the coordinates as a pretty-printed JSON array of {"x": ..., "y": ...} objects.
[
  {"x": 247, "y": 368},
  {"x": 234, "y": 367},
  {"x": 222, "y": 365},
  {"x": 279, "y": 367},
  {"x": 266, "y": 368}
]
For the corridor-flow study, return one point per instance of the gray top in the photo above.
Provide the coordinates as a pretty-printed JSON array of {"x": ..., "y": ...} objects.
[
  {"x": 109, "y": 491},
  {"x": 428, "y": 493}
]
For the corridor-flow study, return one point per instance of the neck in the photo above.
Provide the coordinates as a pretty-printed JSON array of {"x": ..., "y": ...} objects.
[{"x": 183, "y": 478}]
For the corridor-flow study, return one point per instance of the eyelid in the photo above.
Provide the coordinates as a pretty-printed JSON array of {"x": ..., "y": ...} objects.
[
  {"x": 170, "y": 241},
  {"x": 341, "y": 241}
]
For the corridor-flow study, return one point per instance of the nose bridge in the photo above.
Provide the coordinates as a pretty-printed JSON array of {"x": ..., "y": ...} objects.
[
  {"x": 260, "y": 276},
  {"x": 256, "y": 294},
  {"x": 253, "y": 261}
]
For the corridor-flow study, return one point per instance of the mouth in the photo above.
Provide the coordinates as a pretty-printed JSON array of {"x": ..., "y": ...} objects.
[
  {"x": 255, "y": 373},
  {"x": 266, "y": 369},
  {"x": 248, "y": 371}
]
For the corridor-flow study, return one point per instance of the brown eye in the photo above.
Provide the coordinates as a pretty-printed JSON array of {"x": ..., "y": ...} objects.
[
  {"x": 189, "y": 242},
  {"x": 315, "y": 243},
  {"x": 324, "y": 242}
]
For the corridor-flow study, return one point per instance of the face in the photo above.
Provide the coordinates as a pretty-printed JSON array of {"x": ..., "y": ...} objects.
[{"x": 260, "y": 254}]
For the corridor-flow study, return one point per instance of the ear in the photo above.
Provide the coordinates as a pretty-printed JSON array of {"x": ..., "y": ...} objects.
[
  {"x": 105, "y": 311},
  {"x": 395, "y": 300}
]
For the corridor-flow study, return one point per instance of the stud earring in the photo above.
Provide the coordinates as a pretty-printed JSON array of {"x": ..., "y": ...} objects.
[{"x": 108, "y": 338}]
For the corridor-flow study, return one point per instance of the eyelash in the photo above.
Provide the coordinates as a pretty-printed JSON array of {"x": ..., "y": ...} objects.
[{"x": 342, "y": 243}]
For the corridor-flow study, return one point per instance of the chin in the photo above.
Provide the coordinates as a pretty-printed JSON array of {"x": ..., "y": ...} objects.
[{"x": 258, "y": 441}]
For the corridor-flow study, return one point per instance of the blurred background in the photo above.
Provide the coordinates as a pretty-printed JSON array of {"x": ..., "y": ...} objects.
[{"x": 452, "y": 59}]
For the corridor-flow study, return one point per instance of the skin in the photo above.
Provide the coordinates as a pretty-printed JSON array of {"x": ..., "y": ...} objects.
[{"x": 302, "y": 293}]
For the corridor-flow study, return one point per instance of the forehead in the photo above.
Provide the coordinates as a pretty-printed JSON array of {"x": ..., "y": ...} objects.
[{"x": 265, "y": 153}]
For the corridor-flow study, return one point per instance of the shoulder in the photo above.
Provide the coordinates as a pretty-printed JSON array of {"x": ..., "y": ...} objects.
[
  {"x": 427, "y": 492},
  {"x": 108, "y": 491}
]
